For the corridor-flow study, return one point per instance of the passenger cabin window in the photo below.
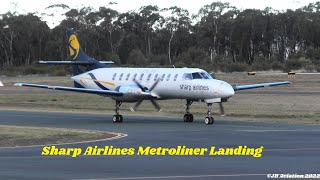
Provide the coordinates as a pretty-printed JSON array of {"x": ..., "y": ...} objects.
[
  {"x": 141, "y": 77},
  {"x": 168, "y": 77},
  {"x": 114, "y": 76},
  {"x": 156, "y": 77},
  {"x": 120, "y": 77},
  {"x": 175, "y": 77},
  {"x": 187, "y": 76},
  {"x": 127, "y": 78},
  {"x": 149, "y": 76},
  {"x": 162, "y": 77},
  {"x": 134, "y": 77}
]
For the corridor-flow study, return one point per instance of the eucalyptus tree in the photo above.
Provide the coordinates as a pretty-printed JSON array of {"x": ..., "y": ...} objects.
[
  {"x": 176, "y": 19},
  {"x": 210, "y": 24},
  {"x": 148, "y": 18}
]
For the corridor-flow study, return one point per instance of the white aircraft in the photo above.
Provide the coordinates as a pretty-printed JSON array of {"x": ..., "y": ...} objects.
[{"x": 138, "y": 84}]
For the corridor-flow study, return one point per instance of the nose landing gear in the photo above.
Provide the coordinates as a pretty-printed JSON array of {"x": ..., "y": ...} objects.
[{"x": 209, "y": 119}]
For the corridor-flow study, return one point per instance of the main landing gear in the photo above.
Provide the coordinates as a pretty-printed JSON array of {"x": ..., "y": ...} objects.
[
  {"x": 117, "y": 118},
  {"x": 188, "y": 117}
]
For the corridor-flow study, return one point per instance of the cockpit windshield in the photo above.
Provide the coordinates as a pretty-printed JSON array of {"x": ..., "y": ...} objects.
[
  {"x": 205, "y": 75},
  {"x": 196, "y": 75}
]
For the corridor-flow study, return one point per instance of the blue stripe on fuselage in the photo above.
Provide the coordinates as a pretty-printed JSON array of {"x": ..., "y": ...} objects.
[{"x": 97, "y": 83}]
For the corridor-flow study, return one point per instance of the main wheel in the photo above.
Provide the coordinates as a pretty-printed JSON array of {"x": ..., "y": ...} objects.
[
  {"x": 190, "y": 118},
  {"x": 185, "y": 118},
  {"x": 207, "y": 120},
  {"x": 117, "y": 118},
  {"x": 212, "y": 120}
]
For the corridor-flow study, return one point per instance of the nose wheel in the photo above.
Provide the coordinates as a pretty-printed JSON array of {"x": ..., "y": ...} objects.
[
  {"x": 188, "y": 117},
  {"x": 209, "y": 119},
  {"x": 117, "y": 118}
]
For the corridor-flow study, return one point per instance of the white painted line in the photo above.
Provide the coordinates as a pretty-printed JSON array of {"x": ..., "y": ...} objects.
[
  {"x": 280, "y": 130},
  {"x": 178, "y": 177},
  {"x": 294, "y": 149},
  {"x": 118, "y": 136}
]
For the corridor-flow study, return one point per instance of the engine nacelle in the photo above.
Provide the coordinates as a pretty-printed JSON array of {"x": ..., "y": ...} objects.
[
  {"x": 131, "y": 93},
  {"x": 130, "y": 89}
]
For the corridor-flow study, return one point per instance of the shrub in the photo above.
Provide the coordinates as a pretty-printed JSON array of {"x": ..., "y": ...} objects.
[
  {"x": 276, "y": 65},
  {"x": 180, "y": 64},
  {"x": 261, "y": 66},
  {"x": 192, "y": 56},
  {"x": 136, "y": 57},
  {"x": 292, "y": 64},
  {"x": 317, "y": 67},
  {"x": 112, "y": 57},
  {"x": 160, "y": 59},
  {"x": 234, "y": 67}
]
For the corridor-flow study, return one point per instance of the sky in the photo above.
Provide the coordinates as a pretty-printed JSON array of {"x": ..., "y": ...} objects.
[{"x": 193, "y": 6}]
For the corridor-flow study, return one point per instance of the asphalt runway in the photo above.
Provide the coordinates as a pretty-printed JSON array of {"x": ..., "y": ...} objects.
[{"x": 289, "y": 148}]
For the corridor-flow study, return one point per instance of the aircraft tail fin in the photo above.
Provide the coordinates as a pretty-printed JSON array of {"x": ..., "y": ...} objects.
[
  {"x": 80, "y": 62},
  {"x": 75, "y": 51},
  {"x": 1, "y": 84}
]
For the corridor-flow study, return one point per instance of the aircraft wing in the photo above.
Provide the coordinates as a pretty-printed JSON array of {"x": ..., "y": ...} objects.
[
  {"x": 252, "y": 86},
  {"x": 83, "y": 90}
]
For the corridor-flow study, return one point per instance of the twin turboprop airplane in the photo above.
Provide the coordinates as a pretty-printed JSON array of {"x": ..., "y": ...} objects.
[{"x": 138, "y": 84}]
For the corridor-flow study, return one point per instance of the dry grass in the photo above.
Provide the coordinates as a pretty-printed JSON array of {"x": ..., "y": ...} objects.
[{"x": 11, "y": 136}]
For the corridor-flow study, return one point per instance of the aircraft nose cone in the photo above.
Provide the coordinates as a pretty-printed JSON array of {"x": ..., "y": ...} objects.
[{"x": 227, "y": 90}]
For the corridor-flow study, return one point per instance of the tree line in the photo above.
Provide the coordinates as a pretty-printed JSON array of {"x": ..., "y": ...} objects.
[{"x": 219, "y": 37}]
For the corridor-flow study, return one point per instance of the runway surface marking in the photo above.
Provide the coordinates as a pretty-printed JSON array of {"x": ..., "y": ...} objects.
[
  {"x": 118, "y": 136},
  {"x": 32, "y": 116},
  {"x": 281, "y": 130},
  {"x": 293, "y": 149},
  {"x": 179, "y": 177}
]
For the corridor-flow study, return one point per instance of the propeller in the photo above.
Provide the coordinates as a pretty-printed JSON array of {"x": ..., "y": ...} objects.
[
  {"x": 145, "y": 89},
  {"x": 222, "y": 109},
  {"x": 222, "y": 112}
]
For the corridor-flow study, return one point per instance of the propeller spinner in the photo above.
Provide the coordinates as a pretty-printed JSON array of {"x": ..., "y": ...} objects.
[{"x": 145, "y": 89}]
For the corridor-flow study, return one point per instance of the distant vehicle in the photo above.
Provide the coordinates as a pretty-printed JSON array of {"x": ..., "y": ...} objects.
[{"x": 138, "y": 84}]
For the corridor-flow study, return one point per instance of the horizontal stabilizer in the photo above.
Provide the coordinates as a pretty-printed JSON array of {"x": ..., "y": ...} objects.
[
  {"x": 252, "y": 86},
  {"x": 73, "y": 62}
]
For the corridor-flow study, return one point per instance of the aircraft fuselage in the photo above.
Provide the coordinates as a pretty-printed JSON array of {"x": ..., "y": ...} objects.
[{"x": 174, "y": 83}]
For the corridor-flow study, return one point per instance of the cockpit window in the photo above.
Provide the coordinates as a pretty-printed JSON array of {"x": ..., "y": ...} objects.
[
  {"x": 196, "y": 76},
  {"x": 205, "y": 75}
]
